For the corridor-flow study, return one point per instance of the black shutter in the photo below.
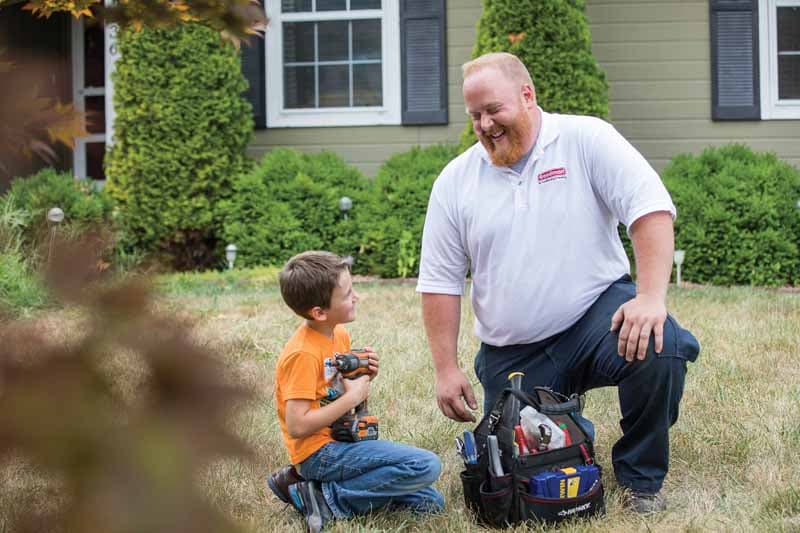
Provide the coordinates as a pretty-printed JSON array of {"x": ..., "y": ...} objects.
[
  {"x": 253, "y": 70},
  {"x": 424, "y": 61},
  {"x": 734, "y": 60}
]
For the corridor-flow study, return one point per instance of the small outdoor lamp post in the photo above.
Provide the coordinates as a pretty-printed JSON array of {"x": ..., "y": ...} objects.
[
  {"x": 345, "y": 204},
  {"x": 54, "y": 217},
  {"x": 679, "y": 256},
  {"x": 230, "y": 255}
]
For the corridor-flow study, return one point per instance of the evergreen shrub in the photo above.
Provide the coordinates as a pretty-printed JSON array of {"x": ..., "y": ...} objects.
[
  {"x": 738, "y": 216},
  {"x": 180, "y": 135},
  {"x": 85, "y": 208},
  {"x": 552, "y": 39},
  {"x": 392, "y": 226},
  {"x": 290, "y": 203}
]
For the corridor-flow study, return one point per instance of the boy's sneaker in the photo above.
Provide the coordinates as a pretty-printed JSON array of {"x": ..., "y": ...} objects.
[
  {"x": 646, "y": 503},
  {"x": 280, "y": 481},
  {"x": 312, "y": 504}
]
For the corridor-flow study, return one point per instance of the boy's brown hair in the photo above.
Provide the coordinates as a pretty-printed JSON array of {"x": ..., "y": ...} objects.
[{"x": 308, "y": 279}]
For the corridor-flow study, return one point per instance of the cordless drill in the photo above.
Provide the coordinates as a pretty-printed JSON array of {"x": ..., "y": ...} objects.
[{"x": 358, "y": 424}]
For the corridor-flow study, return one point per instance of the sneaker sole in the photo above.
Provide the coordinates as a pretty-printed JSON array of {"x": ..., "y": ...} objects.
[{"x": 277, "y": 491}]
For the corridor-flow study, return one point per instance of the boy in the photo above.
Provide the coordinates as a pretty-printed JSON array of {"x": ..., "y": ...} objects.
[{"x": 339, "y": 479}]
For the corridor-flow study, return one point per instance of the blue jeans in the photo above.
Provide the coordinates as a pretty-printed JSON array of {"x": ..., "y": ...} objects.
[
  {"x": 360, "y": 477},
  {"x": 585, "y": 357}
]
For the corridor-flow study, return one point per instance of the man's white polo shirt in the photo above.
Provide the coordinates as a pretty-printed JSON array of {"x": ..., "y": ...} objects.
[{"x": 541, "y": 245}]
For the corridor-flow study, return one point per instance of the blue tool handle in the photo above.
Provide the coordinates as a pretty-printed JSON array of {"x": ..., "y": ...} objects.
[{"x": 470, "y": 450}]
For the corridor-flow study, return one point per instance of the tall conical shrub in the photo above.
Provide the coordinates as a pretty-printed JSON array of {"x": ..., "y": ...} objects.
[
  {"x": 552, "y": 38},
  {"x": 180, "y": 135}
]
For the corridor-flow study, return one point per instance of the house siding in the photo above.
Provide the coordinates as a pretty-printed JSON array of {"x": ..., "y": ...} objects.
[{"x": 656, "y": 55}]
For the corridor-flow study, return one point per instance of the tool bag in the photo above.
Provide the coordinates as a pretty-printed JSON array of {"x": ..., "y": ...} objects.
[{"x": 506, "y": 500}]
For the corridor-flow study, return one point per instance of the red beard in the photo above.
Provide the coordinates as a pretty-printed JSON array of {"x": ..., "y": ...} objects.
[{"x": 514, "y": 146}]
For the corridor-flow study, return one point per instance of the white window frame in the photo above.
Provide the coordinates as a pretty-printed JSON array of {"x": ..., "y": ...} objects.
[
  {"x": 389, "y": 113},
  {"x": 771, "y": 106}
]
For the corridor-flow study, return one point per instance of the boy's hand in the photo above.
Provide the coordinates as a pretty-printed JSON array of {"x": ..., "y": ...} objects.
[
  {"x": 373, "y": 362},
  {"x": 358, "y": 388}
]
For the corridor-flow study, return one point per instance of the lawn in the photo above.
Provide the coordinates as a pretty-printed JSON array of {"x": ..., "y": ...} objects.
[{"x": 734, "y": 448}]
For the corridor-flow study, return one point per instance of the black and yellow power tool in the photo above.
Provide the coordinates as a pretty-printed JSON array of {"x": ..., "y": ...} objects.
[{"x": 358, "y": 424}]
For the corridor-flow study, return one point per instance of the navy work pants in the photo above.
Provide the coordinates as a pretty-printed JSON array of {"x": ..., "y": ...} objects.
[{"x": 585, "y": 357}]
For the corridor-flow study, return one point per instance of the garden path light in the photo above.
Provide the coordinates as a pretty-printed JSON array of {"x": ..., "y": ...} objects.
[
  {"x": 345, "y": 203},
  {"x": 230, "y": 255},
  {"x": 54, "y": 217},
  {"x": 679, "y": 256}
]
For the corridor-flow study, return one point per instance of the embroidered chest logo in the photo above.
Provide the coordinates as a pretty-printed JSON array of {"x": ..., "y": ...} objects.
[{"x": 553, "y": 174}]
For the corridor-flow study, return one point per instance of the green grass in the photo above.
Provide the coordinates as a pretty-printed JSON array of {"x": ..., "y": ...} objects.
[{"x": 734, "y": 448}]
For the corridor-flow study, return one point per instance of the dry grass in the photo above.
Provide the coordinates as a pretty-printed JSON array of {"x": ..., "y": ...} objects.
[{"x": 734, "y": 448}]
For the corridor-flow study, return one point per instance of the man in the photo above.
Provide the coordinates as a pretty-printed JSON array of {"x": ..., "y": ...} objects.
[{"x": 532, "y": 211}]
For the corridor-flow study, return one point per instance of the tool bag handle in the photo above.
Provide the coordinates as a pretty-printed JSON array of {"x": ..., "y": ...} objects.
[{"x": 572, "y": 404}]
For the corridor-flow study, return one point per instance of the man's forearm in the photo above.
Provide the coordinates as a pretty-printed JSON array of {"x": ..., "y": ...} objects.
[
  {"x": 653, "y": 245},
  {"x": 441, "y": 314}
]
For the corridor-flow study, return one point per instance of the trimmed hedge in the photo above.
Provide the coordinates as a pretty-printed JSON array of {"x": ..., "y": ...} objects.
[
  {"x": 552, "y": 38},
  {"x": 738, "y": 218},
  {"x": 392, "y": 225},
  {"x": 290, "y": 203},
  {"x": 180, "y": 136}
]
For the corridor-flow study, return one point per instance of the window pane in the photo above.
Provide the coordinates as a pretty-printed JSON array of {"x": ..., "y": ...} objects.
[
  {"x": 333, "y": 41},
  {"x": 788, "y": 77},
  {"x": 334, "y": 90},
  {"x": 95, "y": 153},
  {"x": 94, "y": 54},
  {"x": 298, "y": 87},
  {"x": 295, "y": 6},
  {"x": 367, "y": 39},
  {"x": 367, "y": 83},
  {"x": 365, "y": 4},
  {"x": 298, "y": 41},
  {"x": 789, "y": 29},
  {"x": 95, "y": 114},
  {"x": 331, "y": 5}
]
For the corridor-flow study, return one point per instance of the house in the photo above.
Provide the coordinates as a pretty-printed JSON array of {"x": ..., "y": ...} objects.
[{"x": 370, "y": 78}]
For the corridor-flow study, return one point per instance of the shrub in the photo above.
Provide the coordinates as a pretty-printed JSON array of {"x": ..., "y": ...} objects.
[
  {"x": 737, "y": 216},
  {"x": 19, "y": 290},
  {"x": 392, "y": 226},
  {"x": 180, "y": 136},
  {"x": 552, "y": 38},
  {"x": 85, "y": 208},
  {"x": 290, "y": 203}
]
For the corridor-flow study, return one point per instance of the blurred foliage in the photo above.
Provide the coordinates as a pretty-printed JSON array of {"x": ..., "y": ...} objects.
[
  {"x": 181, "y": 131},
  {"x": 20, "y": 289},
  {"x": 552, "y": 38},
  {"x": 121, "y": 464},
  {"x": 738, "y": 216},
  {"x": 290, "y": 203}
]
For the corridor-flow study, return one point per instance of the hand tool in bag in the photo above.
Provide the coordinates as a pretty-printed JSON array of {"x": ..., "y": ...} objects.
[
  {"x": 494, "y": 456},
  {"x": 358, "y": 425},
  {"x": 470, "y": 448}
]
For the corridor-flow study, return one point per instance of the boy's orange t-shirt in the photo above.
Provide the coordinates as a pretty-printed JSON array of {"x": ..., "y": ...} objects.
[{"x": 301, "y": 375}]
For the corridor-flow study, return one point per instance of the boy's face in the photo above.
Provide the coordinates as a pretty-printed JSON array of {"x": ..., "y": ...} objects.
[{"x": 343, "y": 301}]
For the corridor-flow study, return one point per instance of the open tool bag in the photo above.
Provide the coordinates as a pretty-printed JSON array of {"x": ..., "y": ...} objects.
[{"x": 521, "y": 492}]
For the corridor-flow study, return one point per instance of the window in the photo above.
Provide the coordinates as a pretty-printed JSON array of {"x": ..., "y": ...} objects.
[
  {"x": 333, "y": 63},
  {"x": 779, "y": 42}
]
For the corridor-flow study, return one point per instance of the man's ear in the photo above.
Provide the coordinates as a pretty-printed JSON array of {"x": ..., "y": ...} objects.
[
  {"x": 528, "y": 94},
  {"x": 317, "y": 313}
]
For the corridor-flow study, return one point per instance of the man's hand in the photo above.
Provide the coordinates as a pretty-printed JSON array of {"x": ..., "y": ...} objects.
[
  {"x": 373, "y": 362},
  {"x": 452, "y": 391},
  {"x": 639, "y": 317}
]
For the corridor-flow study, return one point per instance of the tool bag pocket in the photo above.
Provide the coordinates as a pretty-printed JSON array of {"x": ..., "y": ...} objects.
[
  {"x": 472, "y": 477},
  {"x": 497, "y": 499},
  {"x": 554, "y": 510}
]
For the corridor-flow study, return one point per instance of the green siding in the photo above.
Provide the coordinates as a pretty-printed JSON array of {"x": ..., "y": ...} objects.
[{"x": 656, "y": 56}]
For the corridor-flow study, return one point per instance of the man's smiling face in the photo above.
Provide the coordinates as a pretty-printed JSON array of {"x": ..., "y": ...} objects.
[{"x": 501, "y": 113}]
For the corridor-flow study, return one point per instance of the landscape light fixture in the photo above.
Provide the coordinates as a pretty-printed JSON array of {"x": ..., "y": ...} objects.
[
  {"x": 679, "y": 257},
  {"x": 230, "y": 255},
  {"x": 345, "y": 203},
  {"x": 54, "y": 217}
]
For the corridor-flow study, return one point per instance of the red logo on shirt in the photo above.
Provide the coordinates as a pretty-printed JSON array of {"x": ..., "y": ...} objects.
[{"x": 553, "y": 174}]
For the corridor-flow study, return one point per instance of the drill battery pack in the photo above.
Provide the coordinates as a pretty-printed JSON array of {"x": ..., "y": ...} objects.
[{"x": 355, "y": 428}]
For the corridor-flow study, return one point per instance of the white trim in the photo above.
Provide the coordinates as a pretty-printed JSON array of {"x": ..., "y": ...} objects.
[
  {"x": 771, "y": 106},
  {"x": 111, "y": 56},
  {"x": 389, "y": 113}
]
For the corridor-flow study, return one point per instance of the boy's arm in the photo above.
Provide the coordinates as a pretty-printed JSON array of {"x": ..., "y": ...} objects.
[{"x": 302, "y": 420}]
